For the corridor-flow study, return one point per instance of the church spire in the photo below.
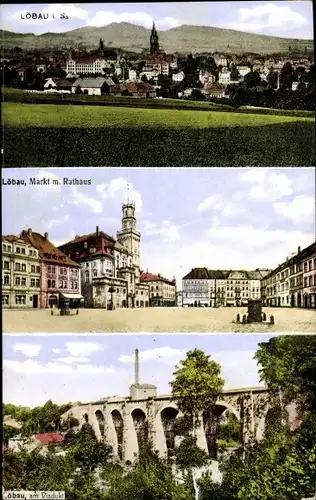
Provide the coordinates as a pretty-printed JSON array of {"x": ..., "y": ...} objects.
[{"x": 154, "y": 41}]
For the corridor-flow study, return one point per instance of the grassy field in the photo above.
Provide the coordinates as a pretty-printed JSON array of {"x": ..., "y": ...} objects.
[
  {"x": 160, "y": 320},
  {"x": 64, "y": 135}
]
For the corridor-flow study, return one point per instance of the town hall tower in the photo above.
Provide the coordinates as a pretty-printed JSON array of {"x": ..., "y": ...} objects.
[{"x": 129, "y": 237}]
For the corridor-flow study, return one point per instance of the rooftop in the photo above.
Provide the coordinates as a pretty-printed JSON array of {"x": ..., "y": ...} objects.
[{"x": 48, "y": 252}]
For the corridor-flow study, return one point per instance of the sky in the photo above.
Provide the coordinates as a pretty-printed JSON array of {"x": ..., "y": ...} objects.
[
  {"x": 284, "y": 19},
  {"x": 220, "y": 218},
  {"x": 68, "y": 368}
]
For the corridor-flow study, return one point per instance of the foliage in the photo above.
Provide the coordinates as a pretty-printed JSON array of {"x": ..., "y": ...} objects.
[
  {"x": 151, "y": 479},
  {"x": 9, "y": 432},
  {"x": 197, "y": 384},
  {"x": 230, "y": 430},
  {"x": 289, "y": 362},
  {"x": 283, "y": 465},
  {"x": 87, "y": 451},
  {"x": 188, "y": 455}
]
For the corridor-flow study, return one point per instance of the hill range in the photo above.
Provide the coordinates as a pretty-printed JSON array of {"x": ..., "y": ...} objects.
[{"x": 183, "y": 39}]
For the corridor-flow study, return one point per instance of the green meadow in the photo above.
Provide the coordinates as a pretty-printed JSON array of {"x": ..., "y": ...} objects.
[{"x": 83, "y": 135}]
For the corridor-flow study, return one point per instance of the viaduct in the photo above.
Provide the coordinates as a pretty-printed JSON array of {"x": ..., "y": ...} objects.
[{"x": 126, "y": 423}]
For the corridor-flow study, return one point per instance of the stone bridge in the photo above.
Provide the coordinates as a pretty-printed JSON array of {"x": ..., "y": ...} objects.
[{"x": 126, "y": 423}]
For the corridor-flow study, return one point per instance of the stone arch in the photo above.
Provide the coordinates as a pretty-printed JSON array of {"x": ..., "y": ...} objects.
[
  {"x": 260, "y": 424},
  {"x": 118, "y": 423},
  {"x": 168, "y": 417},
  {"x": 140, "y": 422},
  {"x": 101, "y": 421},
  {"x": 211, "y": 425},
  {"x": 292, "y": 300},
  {"x": 299, "y": 300},
  {"x": 85, "y": 417}
]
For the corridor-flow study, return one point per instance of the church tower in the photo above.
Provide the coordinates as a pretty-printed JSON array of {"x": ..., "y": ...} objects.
[
  {"x": 154, "y": 43},
  {"x": 129, "y": 237}
]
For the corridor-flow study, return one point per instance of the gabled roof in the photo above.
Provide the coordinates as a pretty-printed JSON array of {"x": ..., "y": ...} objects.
[
  {"x": 90, "y": 236},
  {"x": 93, "y": 82},
  {"x": 154, "y": 277},
  {"x": 49, "y": 438},
  {"x": 48, "y": 252}
]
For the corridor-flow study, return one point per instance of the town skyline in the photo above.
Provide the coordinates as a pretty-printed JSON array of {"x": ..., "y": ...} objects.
[
  {"x": 77, "y": 368},
  {"x": 285, "y": 19},
  {"x": 259, "y": 217}
]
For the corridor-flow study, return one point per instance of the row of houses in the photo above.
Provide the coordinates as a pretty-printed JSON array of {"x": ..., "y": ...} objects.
[
  {"x": 291, "y": 284},
  {"x": 203, "y": 287},
  {"x": 100, "y": 86},
  {"x": 95, "y": 270}
]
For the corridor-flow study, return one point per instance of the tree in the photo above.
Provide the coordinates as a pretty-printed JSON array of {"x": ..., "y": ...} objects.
[
  {"x": 87, "y": 451},
  {"x": 288, "y": 363},
  {"x": 188, "y": 455},
  {"x": 252, "y": 79},
  {"x": 197, "y": 385}
]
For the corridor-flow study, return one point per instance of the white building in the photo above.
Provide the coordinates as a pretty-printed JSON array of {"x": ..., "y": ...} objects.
[
  {"x": 21, "y": 274},
  {"x": 132, "y": 75},
  {"x": 111, "y": 266},
  {"x": 87, "y": 65},
  {"x": 243, "y": 70},
  {"x": 178, "y": 77},
  {"x": 224, "y": 77},
  {"x": 205, "y": 77},
  {"x": 220, "y": 60},
  {"x": 209, "y": 288}
]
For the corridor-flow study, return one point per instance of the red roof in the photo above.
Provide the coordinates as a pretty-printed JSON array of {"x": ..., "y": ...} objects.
[
  {"x": 154, "y": 277},
  {"x": 139, "y": 87},
  {"x": 49, "y": 438},
  {"x": 47, "y": 250},
  {"x": 87, "y": 237}
]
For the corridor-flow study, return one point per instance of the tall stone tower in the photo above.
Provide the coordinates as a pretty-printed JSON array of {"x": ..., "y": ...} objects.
[
  {"x": 154, "y": 43},
  {"x": 129, "y": 237}
]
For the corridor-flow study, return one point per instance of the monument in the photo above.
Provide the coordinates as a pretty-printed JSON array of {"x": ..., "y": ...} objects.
[{"x": 255, "y": 314}]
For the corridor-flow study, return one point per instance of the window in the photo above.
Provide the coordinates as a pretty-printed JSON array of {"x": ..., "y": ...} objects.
[
  {"x": 5, "y": 300},
  {"x": 60, "y": 283},
  {"x": 23, "y": 250},
  {"x": 49, "y": 283},
  {"x": 18, "y": 250},
  {"x": 32, "y": 269},
  {"x": 32, "y": 282},
  {"x": 38, "y": 282},
  {"x": 18, "y": 281},
  {"x": 23, "y": 281},
  {"x": 6, "y": 279},
  {"x": 87, "y": 276},
  {"x": 75, "y": 285},
  {"x": 6, "y": 265},
  {"x": 18, "y": 266},
  {"x": 20, "y": 299},
  {"x": 53, "y": 284},
  {"x": 23, "y": 267}
]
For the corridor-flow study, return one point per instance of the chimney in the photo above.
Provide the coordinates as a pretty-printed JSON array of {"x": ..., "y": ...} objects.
[
  {"x": 299, "y": 249},
  {"x": 29, "y": 232},
  {"x": 158, "y": 275},
  {"x": 97, "y": 230},
  {"x": 136, "y": 367},
  {"x": 46, "y": 236}
]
